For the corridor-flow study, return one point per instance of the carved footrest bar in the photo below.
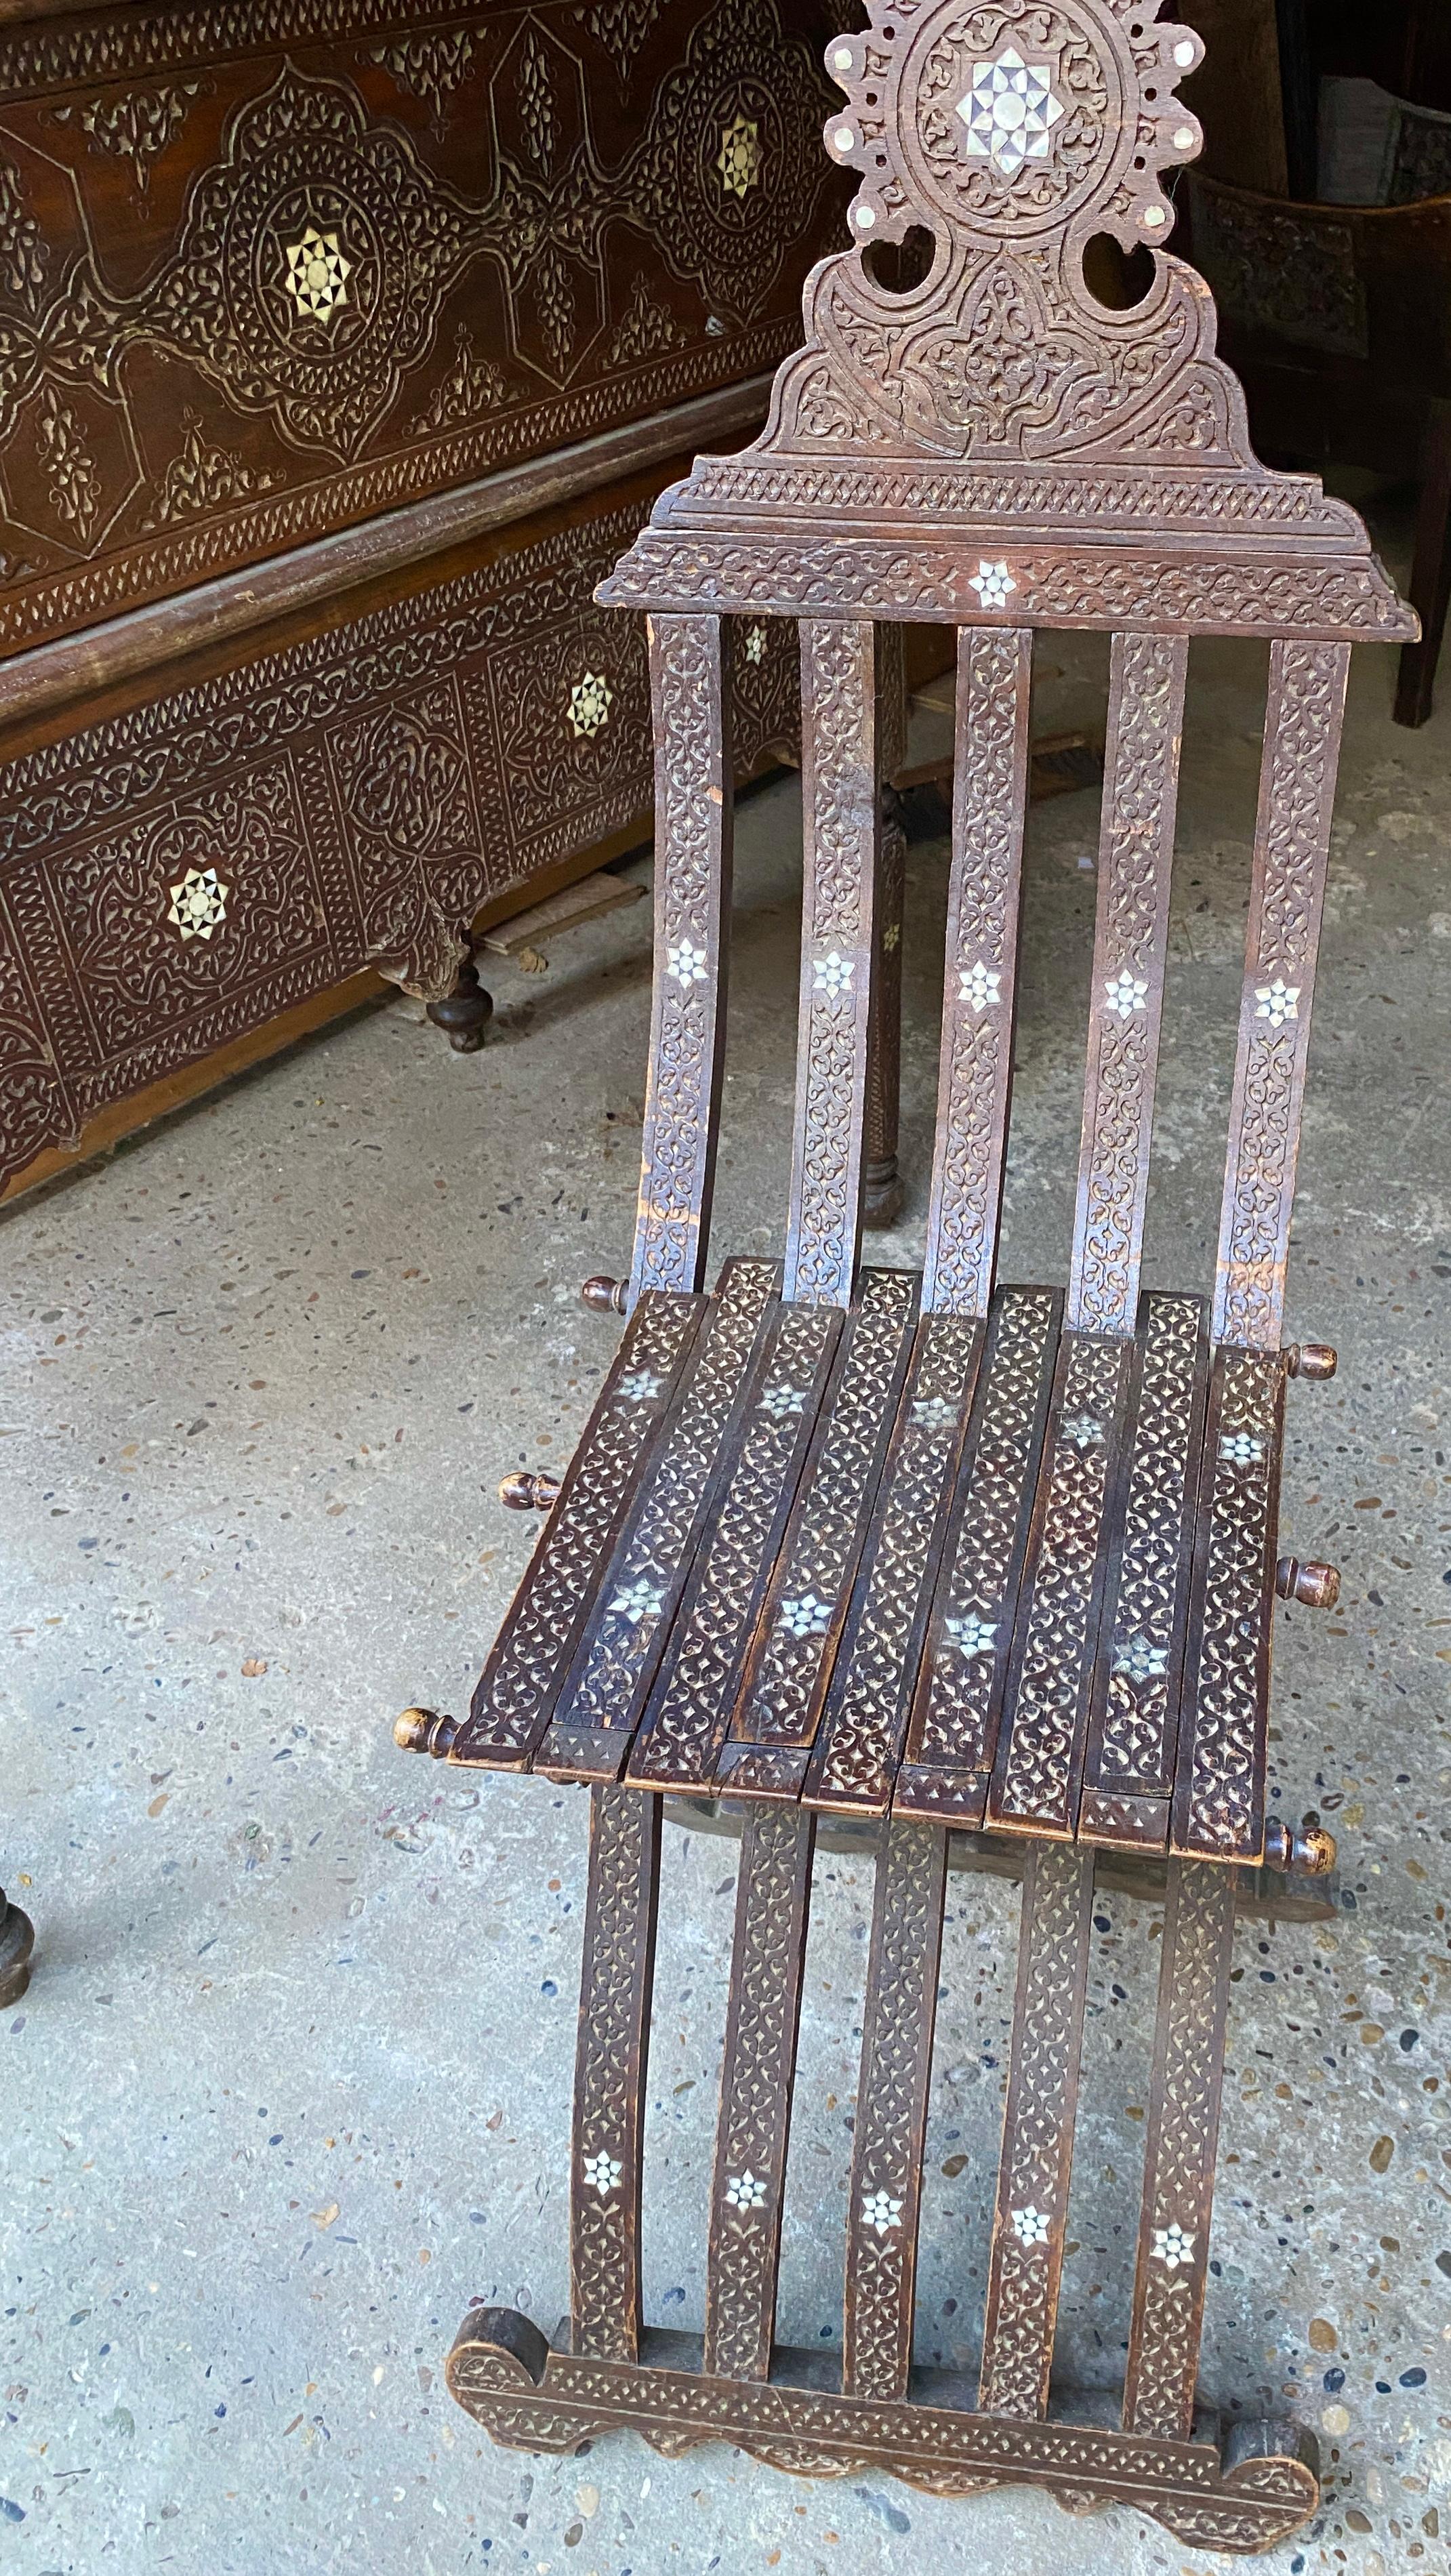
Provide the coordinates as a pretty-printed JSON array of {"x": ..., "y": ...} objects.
[{"x": 1242, "y": 2495}]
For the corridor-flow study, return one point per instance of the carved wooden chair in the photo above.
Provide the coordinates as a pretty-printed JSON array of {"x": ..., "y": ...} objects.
[{"x": 958, "y": 1557}]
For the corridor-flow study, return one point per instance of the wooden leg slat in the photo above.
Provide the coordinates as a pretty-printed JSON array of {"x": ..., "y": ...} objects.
[
  {"x": 1173, "y": 2257},
  {"x": 610, "y": 2070},
  {"x": 1035, "y": 2167},
  {"x": 747, "y": 2197},
  {"x": 886, "y": 2177},
  {"x": 1219, "y": 1789}
]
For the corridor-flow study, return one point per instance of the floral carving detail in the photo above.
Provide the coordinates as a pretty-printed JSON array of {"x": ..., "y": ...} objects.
[
  {"x": 754, "y": 647},
  {"x": 472, "y": 389},
  {"x": 69, "y": 468},
  {"x": 648, "y": 327},
  {"x": 136, "y": 127},
  {"x": 431, "y": 66},
  {"x": 22, "y": 243},
  {"x": 202, "y": 477}
]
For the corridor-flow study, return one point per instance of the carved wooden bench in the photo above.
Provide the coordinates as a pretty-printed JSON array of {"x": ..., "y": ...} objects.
[{"x": 953, "y": 1556}]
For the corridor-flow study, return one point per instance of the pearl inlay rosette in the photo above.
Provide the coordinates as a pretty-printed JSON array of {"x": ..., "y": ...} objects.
[
  {"x": 1277, "y": 1002},
  {"x": 881, "y": 2211},
  {"x": 590, "y": 701},
  {"x": 640, "y": 1387},
  {"x": 1030, "y": 2226},
  {"x": 1127, "y": 993},
  {"x": 739, "y": 162},
  {"x": 1010, "y": 111},
  {"x": 746, "y": 2191},
  {"x": 980, "y": 985},
  {"x": 1172, "y": 2246},
  {"x": 603, "y": 2174},
  {"x": 832, "y": 974},
  {"x": 318, "y": 270},
  {"x": 198, "y": 904},
  {"x": 972, "y": 1635},
  {"x": 806, "y": 1616},
  {"x": 637, "y": 1601},
  {"x": 993, "y": 582},
  {"x": 685, "y": 963}
]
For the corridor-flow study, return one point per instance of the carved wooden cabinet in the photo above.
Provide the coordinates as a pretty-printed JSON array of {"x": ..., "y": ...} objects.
[{"x": 411, "y": 311}]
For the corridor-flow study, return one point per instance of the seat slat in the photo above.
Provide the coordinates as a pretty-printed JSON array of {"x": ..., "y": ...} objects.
[
  {"x": 749, "y": 2182},
  {"x": 790, "y": 1658},
  {"x": 891, "y": 2121},
  {"x": 1035, "y": 2168},
  {"x": 521, "y": 1680},
  {"x": 990, "y": 786},
  {"x": 610, "y": 2071},
  {"x": 615, "y": 1662},
  {"x": 693, "y": 810},
  {"x": 1173, "y": 2255},
  {"x": 1219, "y": 1789},
  {"x": 855, "y": 1757},
  {"x": 1134, "y": 1713},
  {"x": 1038, "y": 1766},
  {"x": 959, "y": 1695},
  {"x": 1135, "y": 860},
  {"x": 841, "y": 823},
  {"x": 1287, "y": 894},
  {"x": 695, "y": 1690}
]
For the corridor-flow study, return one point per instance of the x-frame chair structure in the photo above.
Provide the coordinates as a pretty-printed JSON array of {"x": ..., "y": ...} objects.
[{"x": 959, "y": 1557}]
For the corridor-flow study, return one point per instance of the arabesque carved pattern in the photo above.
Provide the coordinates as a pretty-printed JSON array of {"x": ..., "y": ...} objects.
[
  {"x": 886, "y": 2181},
  {"x": 610, "y": 2073},
  {"x": 1140, "y": 1688},
  {"x": 1219, "y": 1800}
]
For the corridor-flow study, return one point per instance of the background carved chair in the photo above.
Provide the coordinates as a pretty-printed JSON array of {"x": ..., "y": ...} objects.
[{"x": 949, "y": 1555}]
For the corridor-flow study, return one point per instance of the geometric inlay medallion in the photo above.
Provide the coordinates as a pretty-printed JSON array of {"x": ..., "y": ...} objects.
[
  {"x": 590, "y": 701},
  {"x": 739, "y": 163},
  {"x": 198, "y": 904},
  {"x": 1009, "y": 110},
  {"x": 317, "y": 274}
]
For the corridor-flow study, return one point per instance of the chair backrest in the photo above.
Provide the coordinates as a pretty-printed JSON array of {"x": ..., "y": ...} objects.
[{"x": 995, "y": 448}]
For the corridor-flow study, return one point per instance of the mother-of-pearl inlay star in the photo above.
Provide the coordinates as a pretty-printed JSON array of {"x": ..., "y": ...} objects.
[
  {"x": 317, "y": 274},
  {"x": 992, "y": 582},
  {"x": 980, "y": 985},
  {"x": 198, "y": 904},
  {"x": 686, "y": 963},
  {"x": 832, "y": 974},
  {"x": 1127, "y": 993},
  {"x": 1009, "y": 111}
]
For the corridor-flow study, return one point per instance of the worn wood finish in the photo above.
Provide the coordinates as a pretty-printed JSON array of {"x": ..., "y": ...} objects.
[
  {"x": 896, "y": 2068},
  {"x": 692, "y": 906},
  {"x": 758, "y": 2069},
  {"x": 609, "y": 2076},
  {"x": 1036, "y": 2163},
  {"x": 1173, "y": 2255},
  {"x": 881, "y": 1183},
  {"x": 1023, "y": 1574},
  {"x": 1287, "y": 895},
  {"x": 1131, "y": 939},
  {"x": 840, "y": 790}
]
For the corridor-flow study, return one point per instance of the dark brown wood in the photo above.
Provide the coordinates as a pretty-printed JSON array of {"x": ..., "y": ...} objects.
[
  {"x": 882, "y": 1193},
  {"x": 605, "y": 1296},
  {"x": 1313, "y": 1585},
  {"x": 748, "y": 2188},
  {"x": 609, "y": 2077},
  {"x": 465, "y": 1013},
  {"x": 1023, "y": 1571}
]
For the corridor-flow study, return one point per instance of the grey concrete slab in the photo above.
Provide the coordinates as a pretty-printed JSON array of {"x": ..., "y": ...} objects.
[{"x": 291, "y": 2082}]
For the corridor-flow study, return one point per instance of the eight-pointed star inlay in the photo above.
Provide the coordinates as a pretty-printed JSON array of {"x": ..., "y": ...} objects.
[
  {"x": 1009, "y": 111},
  {"x": 317, "y": 274}
]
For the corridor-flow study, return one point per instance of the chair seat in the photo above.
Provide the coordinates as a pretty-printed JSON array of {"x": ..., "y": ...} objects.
[{"x": 975, "y": 1572}]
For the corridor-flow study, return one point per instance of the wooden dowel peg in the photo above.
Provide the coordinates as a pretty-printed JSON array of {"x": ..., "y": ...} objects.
[
  {"x": 605, "y": 1296},
  {"x": 1313, "y": 1360},
  {"x": 422, "y": 1730},
  {"x": 1302, "y": 1851},
  {"x": 1315, "y": 1586},
  {"x": 524, "y": 1492}
]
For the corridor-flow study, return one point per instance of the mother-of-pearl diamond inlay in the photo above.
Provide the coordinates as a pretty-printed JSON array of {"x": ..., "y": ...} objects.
[
  {"x": 832, "y": 974},
  {"x": 740, "y": 157},
  {"x": 198, "y": 904},
  {"x": 972, "y": 1635},
  {"x": 317, "y": 274},
  {"x": 1009, "y": 111}
]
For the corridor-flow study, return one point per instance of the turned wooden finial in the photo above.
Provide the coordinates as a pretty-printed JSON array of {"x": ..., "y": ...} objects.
[
  {"x": 524, "y": 1492},
  {"x": 1302, "y": 1851},
  {"x": 1315, "y": 1586},
  {"x": 605, "y": 1296},
  {"x": 422, "y": 1730},
  {"x": 1313, "y": 1360}
]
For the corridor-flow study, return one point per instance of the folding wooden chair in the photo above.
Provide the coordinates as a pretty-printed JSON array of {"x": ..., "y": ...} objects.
[{"x": 961, "y": 1558}]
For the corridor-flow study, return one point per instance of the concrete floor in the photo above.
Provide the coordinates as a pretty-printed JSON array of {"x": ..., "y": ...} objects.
[{"x": 291, "y": 2082}]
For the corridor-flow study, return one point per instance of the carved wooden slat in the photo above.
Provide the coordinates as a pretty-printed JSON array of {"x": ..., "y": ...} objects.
[
  {"x": 952, "y": 1735},
  {"x": 1038, "y": 1766},
  {"x": 855, "y": 1756},
  {"x": 881, "y": 1186},
  {"x": 1034, "y": 2171},
  {"x": 1219, "y": 1789},
  {"x": 1135, "y": 860},
  {"x": 639, "y": 1591},
  {"x": 994, "y": 672},
  {"x": 748, "y": 2188},
  {"x": 609, "y": 2076},
  {"x": 790, "y": 1659},
  {"x": 1287, "y": 894},
  {"x": 840, "y": 815},
  {"x": 693, "y": 806},
  {"x": 896, "y": 2069},
  {"x": 695, "y": 1690},
  {"x": 1134, "y": 1713},
  {"x": 1173, "y": 2255},
  {"x": 525, "y": 1670}
]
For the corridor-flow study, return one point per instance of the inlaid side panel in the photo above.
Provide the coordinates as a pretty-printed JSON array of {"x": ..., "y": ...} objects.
[
  {"x": 840, "y": 826},
  {"x": 896, "y": 2068},
  {"x": 1135, "y": 860},
  {"x": 959, "y": 1695},
  {"x": 1173, "y": 2256},
  {"x": 692, "y": 906},
  {"x": 1134, "y": 1716},
  {"x": 616, "y": 1660},
  {"x": 855, "y": 1758},
  {"x": 521, "y": 1680},
  {"x": 695, "y": 1691},
  {"x": 791, "y": 1655},
  {"x": 1219, "y": 1790},
  {"x": 1038, "y": 1767},
  {"x": 1287, "y": 894},
  {"x": 609, "y": 2082},
  {"x": 994, "y": 671},
  {"x": 748, "y": 2188},
  {"x": 1026, "y": 2265}
]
